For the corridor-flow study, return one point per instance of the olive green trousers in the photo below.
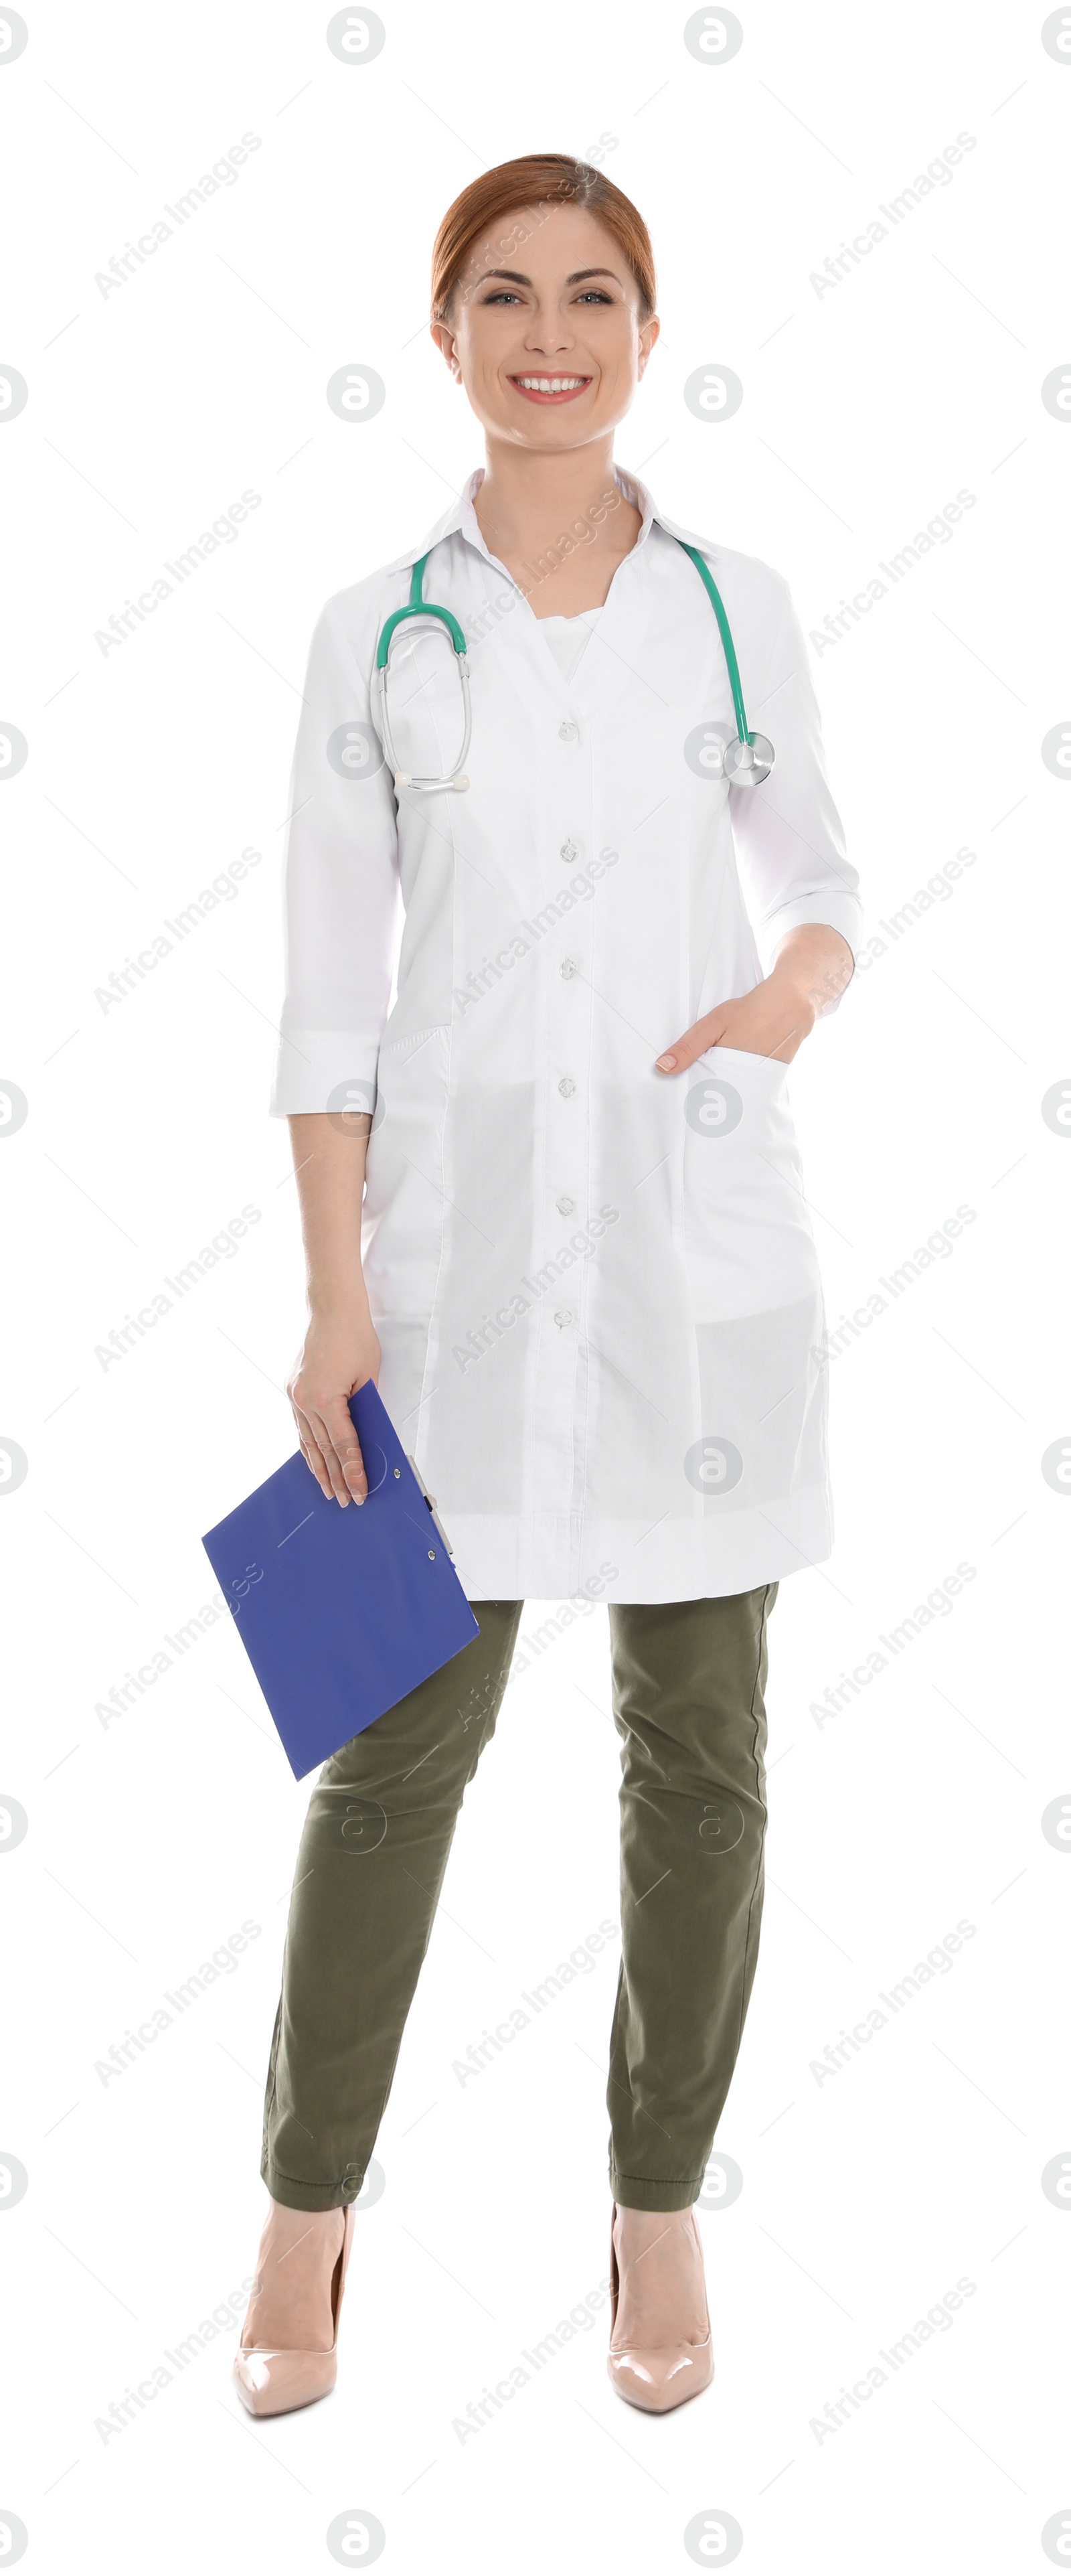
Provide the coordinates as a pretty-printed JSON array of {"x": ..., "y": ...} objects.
[{"x": 688, "y": 1681}]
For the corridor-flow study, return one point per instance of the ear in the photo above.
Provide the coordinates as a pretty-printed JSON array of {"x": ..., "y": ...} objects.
[
  {"x": 649, "y": 332},
  {"x": 445, "y": 341}
]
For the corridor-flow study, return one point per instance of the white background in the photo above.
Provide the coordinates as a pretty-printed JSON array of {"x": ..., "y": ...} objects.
[{"x": 865, "y": 2197}]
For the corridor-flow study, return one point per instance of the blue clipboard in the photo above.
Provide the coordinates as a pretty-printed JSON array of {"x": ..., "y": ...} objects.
[{"x": 340, "y": 1611}]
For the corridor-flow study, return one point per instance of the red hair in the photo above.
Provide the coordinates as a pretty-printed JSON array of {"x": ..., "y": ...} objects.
[{"x": 544, "y": 179}]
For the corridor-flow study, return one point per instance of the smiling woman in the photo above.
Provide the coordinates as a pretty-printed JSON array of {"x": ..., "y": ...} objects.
[
  {"x": 488, "y": 279},
  {"x": 584, "y": 1281}
]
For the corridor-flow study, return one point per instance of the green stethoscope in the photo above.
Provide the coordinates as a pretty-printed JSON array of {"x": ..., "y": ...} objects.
[{"x": 745, "y": 762}]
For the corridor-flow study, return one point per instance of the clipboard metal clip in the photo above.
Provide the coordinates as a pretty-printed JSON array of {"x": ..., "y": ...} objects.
[{"x": 430, "y": 1501}]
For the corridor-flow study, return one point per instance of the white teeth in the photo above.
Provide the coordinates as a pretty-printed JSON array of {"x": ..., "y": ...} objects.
[{"x": 550, "y": 384}]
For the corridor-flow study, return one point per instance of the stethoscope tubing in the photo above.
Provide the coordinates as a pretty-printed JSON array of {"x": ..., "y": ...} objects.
[{"x": 745, "y": 763}]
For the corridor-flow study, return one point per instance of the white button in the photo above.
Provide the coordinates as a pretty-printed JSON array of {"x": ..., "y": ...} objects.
[
  {"x": 568, "y": 967},
  {"x": 567, "y": 731},
  {"x": 569, "y": 851},
  {"x": 567, "y": 1086},
  {"x": 562, "y": 1318},
  {"x": 566, "y": 1206}
]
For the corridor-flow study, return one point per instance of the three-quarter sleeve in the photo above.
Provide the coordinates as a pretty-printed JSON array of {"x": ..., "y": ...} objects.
[
  {"x": 788, "y": 833},
  {"x": 341, "y": 889}
]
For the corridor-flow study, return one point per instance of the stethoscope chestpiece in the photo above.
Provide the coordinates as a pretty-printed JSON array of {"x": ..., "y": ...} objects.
[{"x": 746, "y": 764}]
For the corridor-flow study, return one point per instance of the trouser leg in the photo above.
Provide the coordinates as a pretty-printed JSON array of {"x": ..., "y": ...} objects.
[
  {"x": 688, "y": 1682},
  {"x": 373, "y": 1853}
]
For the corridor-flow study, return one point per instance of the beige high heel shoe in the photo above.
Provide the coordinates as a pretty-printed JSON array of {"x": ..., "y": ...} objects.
[
  {"x": 272, "y": 2378},
  {"x": 659, "y": 2367}
]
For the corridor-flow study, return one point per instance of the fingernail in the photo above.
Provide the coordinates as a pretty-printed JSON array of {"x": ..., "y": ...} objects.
[{"x": 666, "y": 1063}]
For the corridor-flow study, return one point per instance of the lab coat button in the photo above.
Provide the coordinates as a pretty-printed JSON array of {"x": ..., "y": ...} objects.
[
  {"x": 562, "y": 1318},
  {"x": 567, "y": 731},
  {"x": 568, "y": 967},
  {"x": 566, "y": 1206},
  {"x": 569, "y": 851},
  {"x": 567, "y": 1086}
]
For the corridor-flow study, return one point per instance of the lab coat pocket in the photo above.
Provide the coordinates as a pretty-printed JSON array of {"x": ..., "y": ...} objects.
[
  {"x": 743, "y": 1182},
  {"x": 403, "y": 1207},
  {"x": 755, "y": 1285}
]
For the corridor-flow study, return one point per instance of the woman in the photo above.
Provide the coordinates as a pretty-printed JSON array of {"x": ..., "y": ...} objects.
[{"x": 583, "y": 1275}]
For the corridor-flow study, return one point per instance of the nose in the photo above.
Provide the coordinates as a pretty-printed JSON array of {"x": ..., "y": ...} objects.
[{"x": 548, "y": 336}]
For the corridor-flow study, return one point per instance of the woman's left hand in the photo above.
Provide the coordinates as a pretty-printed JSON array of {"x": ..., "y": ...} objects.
[{"x": 812, "y": 966}]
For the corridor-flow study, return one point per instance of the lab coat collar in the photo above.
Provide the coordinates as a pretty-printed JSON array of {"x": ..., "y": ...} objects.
[{"x": 461, "y": 519}]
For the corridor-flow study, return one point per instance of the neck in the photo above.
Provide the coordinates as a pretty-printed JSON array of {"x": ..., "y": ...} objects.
[{"x": 526, "y": 500}]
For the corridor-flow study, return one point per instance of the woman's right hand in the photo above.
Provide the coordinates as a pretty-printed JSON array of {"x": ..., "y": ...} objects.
[{"x": 341, "y": 1353}]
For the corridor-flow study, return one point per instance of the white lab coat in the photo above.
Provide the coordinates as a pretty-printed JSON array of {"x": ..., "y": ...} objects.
[{"x": 595, "y": 1285}]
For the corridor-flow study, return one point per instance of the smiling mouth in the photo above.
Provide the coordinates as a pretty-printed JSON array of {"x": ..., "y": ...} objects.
[{"x": 550, "y": 389}]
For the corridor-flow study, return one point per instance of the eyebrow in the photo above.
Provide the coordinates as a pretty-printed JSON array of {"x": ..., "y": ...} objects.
[{"x": 517, "y": 278}]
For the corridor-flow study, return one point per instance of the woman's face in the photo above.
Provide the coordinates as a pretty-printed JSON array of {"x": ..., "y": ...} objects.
[{"x": 547, "y": 300}]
